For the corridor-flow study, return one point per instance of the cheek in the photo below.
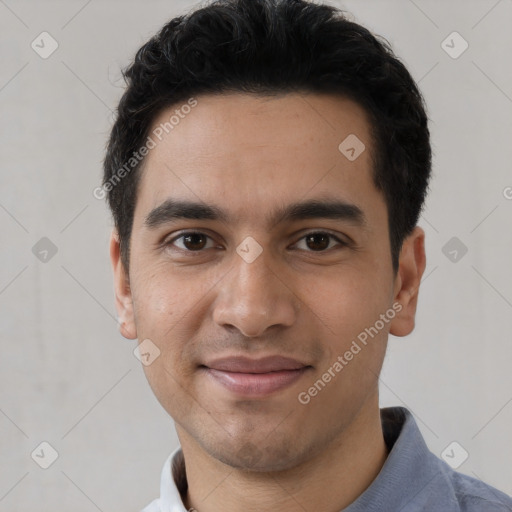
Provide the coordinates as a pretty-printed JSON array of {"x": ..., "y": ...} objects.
[
  {"x": 168, "y": 307},
  {"x": 349, "y": 309},
  {"x": 153, "y": 304},
  {"x": 160, "y": 299},
  {"x": 346, "y": 302},
  {"x": 164, "y": 310}
]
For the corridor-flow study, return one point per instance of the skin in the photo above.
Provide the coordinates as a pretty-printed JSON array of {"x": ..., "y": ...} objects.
[{"x": 250, "y": 155}]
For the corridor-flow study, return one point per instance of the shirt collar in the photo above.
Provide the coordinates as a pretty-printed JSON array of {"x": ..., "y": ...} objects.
[
  {"x": 173, "y": 480},
  {"x": 409, "y": 470}
]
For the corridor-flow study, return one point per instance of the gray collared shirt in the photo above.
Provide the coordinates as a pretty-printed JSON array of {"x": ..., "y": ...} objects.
[{"x": 411, "y": 480}]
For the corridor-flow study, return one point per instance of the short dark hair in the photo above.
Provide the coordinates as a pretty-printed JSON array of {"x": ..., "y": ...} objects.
[{"x": 269, "y": 47}]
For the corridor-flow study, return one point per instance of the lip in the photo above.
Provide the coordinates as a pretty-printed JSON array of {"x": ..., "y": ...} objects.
[
  {"x": 241, "y": 364},
  {"x": 255, "y": 377}
]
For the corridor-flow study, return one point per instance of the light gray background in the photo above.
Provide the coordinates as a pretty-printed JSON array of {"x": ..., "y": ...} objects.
[{"x": 67, "y": 376}]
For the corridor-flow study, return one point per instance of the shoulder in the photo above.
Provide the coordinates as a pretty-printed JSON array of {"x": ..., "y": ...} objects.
[
  {"x": 473, "y": 495},
  {"x": 413, "y": 478}
]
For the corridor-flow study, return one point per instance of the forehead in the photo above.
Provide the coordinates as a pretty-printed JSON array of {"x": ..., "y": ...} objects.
[{"x": 247, "y": 153}]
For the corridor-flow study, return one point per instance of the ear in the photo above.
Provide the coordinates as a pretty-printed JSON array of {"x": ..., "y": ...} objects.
[
  {"x": 407, "y": 282},
  {"x": 124, "y": 303}
]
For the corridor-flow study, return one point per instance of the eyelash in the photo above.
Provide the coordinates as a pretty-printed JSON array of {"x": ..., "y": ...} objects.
[{"x": 341, "y": 243}]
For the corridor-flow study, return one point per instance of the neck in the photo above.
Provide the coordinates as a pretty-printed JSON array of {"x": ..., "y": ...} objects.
[{"x": 329, "y": 481}]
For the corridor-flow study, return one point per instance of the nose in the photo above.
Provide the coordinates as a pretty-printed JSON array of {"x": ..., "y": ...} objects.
[{"x": 254, "y": 298}]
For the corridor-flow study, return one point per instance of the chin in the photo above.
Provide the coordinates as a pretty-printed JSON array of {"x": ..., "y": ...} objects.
[{"x": 259, "y": 456}]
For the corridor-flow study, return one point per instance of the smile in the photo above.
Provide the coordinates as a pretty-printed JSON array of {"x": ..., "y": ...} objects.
[{"x": 250, "y": 377}]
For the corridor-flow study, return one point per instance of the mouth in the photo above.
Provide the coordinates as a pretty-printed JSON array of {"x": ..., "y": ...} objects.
[{"x": 255, "y": 377}]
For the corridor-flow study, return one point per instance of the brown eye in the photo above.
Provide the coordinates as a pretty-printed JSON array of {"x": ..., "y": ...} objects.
[
  {"x": 191, "y": 241},
  {"x": 319, "y": 241},
  {"x": 194, "y": 242}
]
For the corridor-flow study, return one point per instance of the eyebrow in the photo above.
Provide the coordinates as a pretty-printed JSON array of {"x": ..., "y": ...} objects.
[{"x": 172, "y": 210}]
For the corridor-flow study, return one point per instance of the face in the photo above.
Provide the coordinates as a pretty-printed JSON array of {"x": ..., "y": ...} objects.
[{"x": 259, "y": 258}]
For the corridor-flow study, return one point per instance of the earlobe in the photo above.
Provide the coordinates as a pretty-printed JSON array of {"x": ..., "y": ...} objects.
[
  {"x": 124, "y": 303},
  {"x": 411, "y": 267}
]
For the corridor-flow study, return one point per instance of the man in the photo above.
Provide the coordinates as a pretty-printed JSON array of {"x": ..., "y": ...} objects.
[{"x": 266, "y": 173}]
